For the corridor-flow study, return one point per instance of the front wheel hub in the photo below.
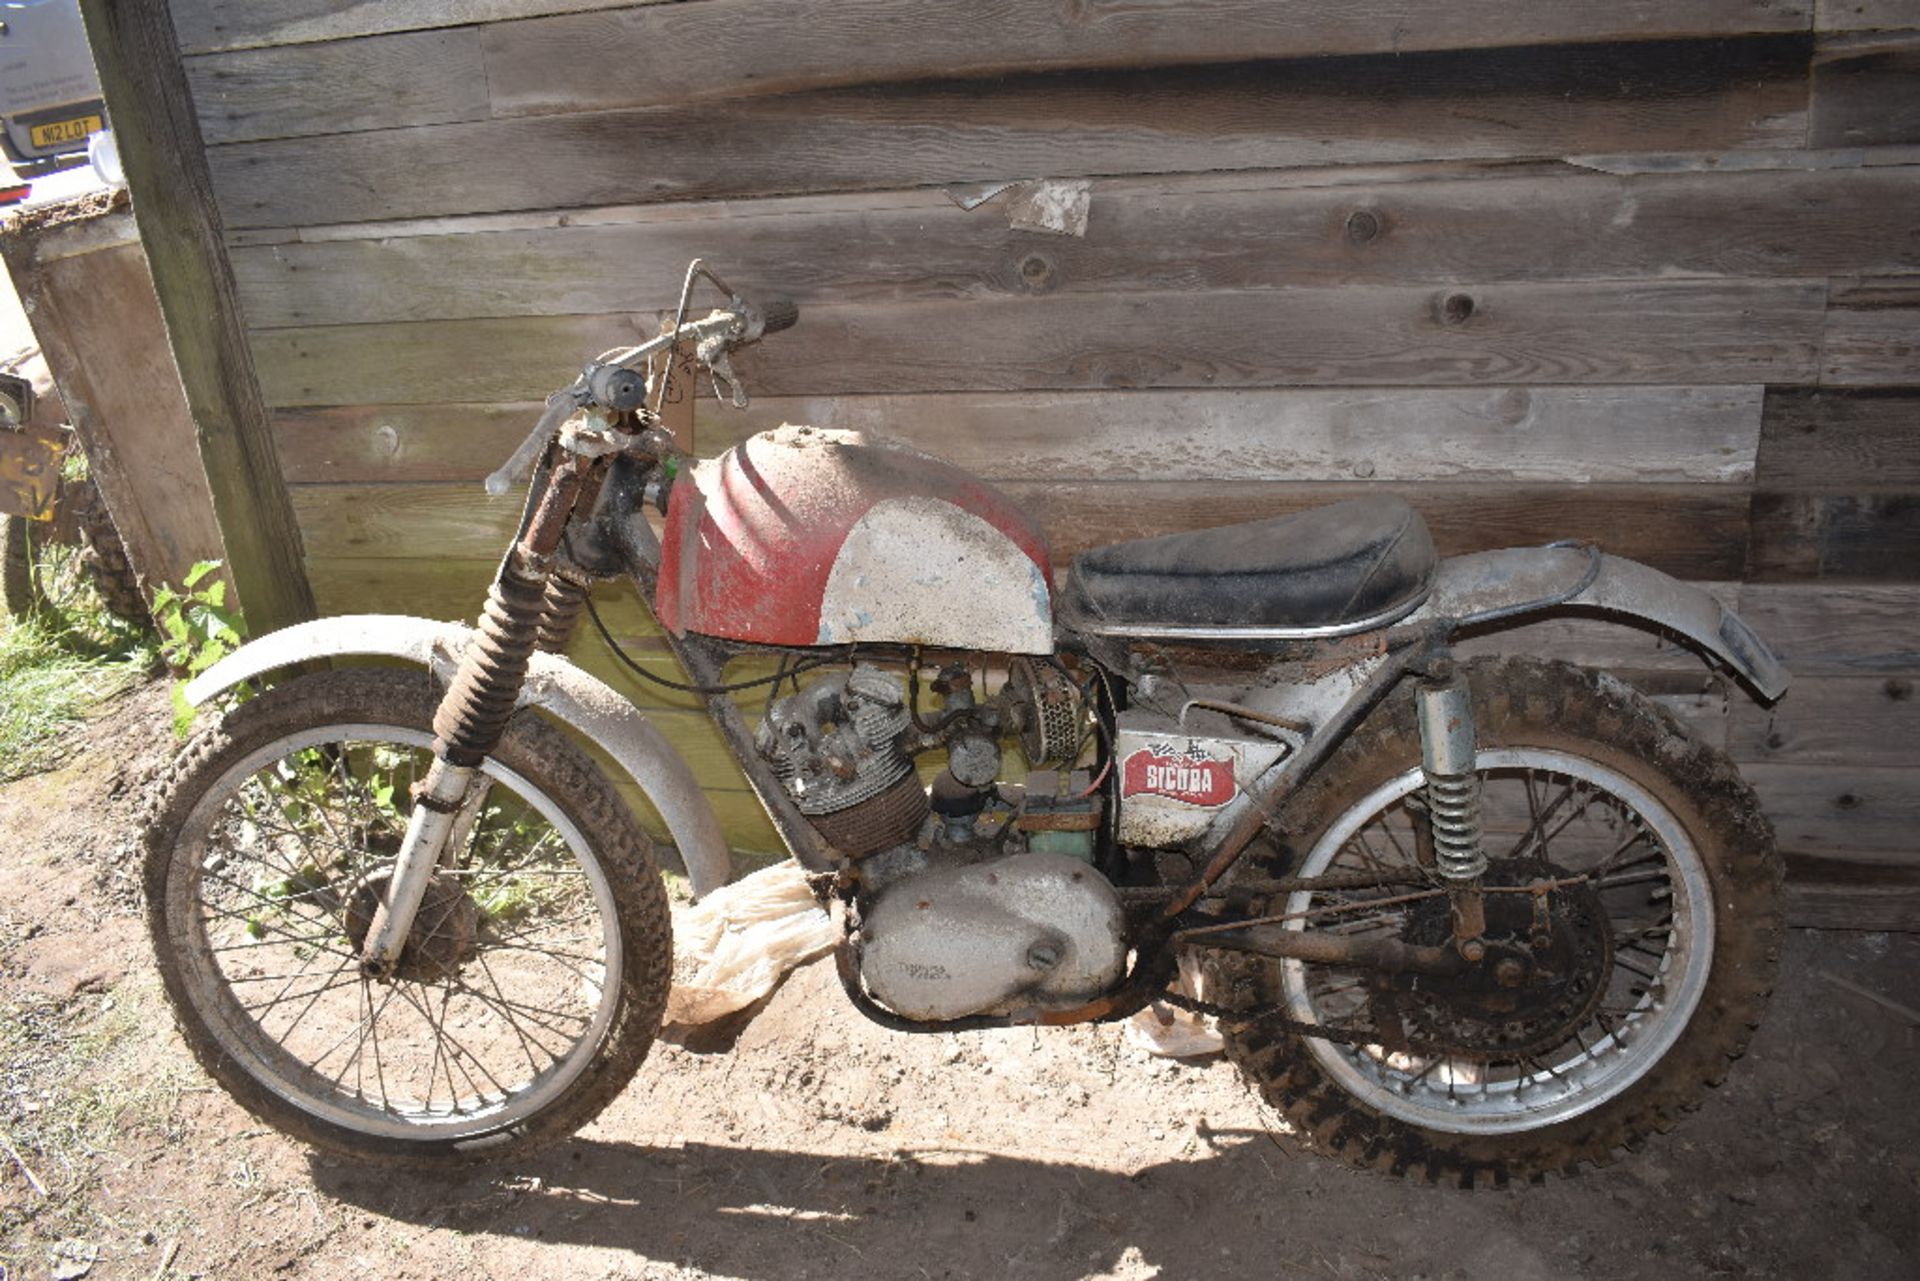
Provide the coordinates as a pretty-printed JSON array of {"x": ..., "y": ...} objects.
[{"x": 445, "y": 930}]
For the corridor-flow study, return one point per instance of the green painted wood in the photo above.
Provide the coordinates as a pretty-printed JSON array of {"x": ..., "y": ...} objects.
[{"x": 1693, "y": 531}]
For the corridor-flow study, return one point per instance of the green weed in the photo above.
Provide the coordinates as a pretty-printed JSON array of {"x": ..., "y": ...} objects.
[{"x": 197, "y": 629}]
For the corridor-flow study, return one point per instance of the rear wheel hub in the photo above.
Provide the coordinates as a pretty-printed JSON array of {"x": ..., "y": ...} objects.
[{"x": 1543, "y": 971}]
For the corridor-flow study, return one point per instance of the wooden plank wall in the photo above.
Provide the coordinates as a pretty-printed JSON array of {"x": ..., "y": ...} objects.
[{"x": 1645, "y": 272}]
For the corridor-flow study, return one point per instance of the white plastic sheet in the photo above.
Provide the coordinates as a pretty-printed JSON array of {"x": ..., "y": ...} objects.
[
  {"x": 1174, "y": 1033},
  {"x": 735, "y": 945}
]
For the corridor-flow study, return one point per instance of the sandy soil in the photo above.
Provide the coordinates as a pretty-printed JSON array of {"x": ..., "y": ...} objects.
[{"x": 824, "y": 1146}]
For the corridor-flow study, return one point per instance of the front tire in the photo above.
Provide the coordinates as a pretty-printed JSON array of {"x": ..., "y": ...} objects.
[
  {"x": 531, "y": 987},
  {"x": 1687, "y": 897}
]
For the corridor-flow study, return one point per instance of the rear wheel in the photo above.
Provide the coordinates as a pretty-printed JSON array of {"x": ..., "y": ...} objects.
[
  {"x": 529, "y": 991},
  {"x": 54, "y": 570},
  {"x": 1633, "y": 920}
]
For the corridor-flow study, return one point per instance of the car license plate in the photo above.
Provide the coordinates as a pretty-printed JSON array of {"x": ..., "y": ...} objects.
[{"x": 61, "y": 132}]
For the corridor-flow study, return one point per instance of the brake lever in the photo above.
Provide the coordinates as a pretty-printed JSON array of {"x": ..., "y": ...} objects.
[
  {"x": 520, "y": 466},
  {"x": 717, "y": 355}
]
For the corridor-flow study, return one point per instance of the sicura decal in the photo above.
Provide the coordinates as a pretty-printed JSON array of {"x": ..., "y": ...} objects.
[{"x": 1187, "y": 775}]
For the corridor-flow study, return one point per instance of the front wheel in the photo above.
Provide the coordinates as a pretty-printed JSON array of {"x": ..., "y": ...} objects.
[
  {"x": 1633, "y": 920},
  {"x": 531, "y": 986}
]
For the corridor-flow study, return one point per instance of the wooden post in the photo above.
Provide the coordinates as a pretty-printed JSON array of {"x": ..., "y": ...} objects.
[
  {"x": 82, "y": 277},
  {"x": 145, "y": 87}
]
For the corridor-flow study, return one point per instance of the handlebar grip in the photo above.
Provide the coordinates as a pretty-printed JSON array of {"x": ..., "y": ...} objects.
[{"x": 781, "y": 313}]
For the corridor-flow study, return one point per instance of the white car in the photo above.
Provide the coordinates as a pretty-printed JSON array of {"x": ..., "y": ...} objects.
[{"x": 49, "y": 95}]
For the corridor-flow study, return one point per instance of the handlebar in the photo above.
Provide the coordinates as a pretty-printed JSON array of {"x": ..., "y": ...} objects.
[
  {"x": 779, "y": 313},
  {"x": 609, "y": 380}
]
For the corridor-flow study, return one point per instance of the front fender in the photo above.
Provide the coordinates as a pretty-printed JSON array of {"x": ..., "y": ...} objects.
[
  {"x": 1485, "y": 582},
  {"x": 581, "y": 702}
]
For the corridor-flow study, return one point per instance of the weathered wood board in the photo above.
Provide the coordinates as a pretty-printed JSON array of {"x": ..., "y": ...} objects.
[
  {"x": 1873, "y": 333},
  {"x": 1177, "y": 234},
  {"x": 89, "y": 290},
  {"x": 649, "y": 54},
  {"x": 1873, "y": 536},
  {"x": 1481, "y": 105},
  {"x": 1842, "y": 810},
  {"x": 420, "y": 77},
  {"x": 1821, "y": 629},
  {"x": 1866, "y": 15},
  {"x": 1614, "y": 435},
  {"x": 1856, "y": 721},
  {"x": 1827, "y": 439},
  {"x": 1866, "y": 92},
  {"x": 1852, "y": 894},
  {"x": 240, "y": 24},
  {"x": 1649, "y": 333}
]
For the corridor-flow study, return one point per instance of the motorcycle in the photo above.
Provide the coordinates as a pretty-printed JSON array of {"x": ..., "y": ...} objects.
[
  {"x": 1473, "y": 920},
  {"x": 58, "y": 542}
]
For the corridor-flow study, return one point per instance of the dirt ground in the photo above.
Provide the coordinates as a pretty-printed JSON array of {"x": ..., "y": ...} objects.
[{"x": 824, "y": 1146}]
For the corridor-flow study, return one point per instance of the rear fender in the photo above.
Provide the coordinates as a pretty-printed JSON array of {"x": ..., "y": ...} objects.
[
  {"x": 578, "y": 700},
  {"x": 1528, "y": 581}
]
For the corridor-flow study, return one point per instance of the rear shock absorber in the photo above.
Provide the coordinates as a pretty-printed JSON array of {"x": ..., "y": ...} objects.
[{"x": 1448, "y": 758}]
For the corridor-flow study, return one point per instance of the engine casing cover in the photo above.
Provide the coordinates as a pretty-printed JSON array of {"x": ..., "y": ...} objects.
[{"x": 1030, "y": 931}]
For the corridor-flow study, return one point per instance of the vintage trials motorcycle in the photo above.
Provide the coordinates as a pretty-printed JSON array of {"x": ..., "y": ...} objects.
[{"x": 1469, "y": 919}]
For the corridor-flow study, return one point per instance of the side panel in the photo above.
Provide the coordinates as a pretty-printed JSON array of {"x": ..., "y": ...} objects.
[{"x": 1173, "y": 786}]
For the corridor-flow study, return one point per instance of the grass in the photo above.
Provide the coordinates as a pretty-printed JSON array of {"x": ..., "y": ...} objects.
[{"x": 54, "y": 667}]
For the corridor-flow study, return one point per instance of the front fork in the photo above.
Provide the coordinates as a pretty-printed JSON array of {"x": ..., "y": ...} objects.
[
  {"x": 1448, "y": 759},
  {"x": 533, "y": 604}
]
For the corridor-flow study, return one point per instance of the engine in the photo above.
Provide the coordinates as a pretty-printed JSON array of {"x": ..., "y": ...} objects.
[
  {"x": 838, "y": 747},
  {"x": 984, "y": 897}
]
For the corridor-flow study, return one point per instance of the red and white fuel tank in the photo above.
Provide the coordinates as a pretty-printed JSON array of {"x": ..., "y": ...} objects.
[{"x": 806, "y": 536}]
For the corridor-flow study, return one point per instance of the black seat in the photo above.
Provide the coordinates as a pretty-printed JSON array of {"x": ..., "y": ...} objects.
[{"x": 1344, "y": 566}]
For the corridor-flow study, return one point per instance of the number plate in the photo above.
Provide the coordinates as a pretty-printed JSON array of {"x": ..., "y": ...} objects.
[
  {"x": 29, "y": 474},
  {"x": 61, "y": 132}
]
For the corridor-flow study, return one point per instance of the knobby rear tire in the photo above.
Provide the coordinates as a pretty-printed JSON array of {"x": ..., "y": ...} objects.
[{"x": 1579, "y": 713}]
